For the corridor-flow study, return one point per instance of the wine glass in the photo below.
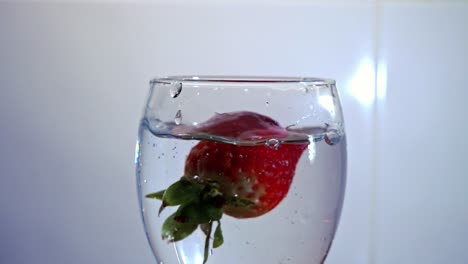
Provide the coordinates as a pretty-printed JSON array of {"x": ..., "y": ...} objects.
[{"x": 241, "y": 169}]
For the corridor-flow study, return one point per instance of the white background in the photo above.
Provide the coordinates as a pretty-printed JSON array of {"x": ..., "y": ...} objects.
[{"x": 74, "y": 76}]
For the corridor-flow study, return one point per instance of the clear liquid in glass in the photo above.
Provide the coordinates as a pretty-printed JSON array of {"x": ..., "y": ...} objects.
[{"x": 299, "y": 230}]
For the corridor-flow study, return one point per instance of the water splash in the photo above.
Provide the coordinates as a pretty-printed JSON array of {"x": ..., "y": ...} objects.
[{"x": 175, "y": 90}]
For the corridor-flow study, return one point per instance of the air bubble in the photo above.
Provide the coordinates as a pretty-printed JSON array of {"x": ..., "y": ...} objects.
[
  {"x": 175, "y": 90},
  {"x": 332, "y": 137},
  {"x": 178, "y": 117},
  {"x": 272, "y": 143}
]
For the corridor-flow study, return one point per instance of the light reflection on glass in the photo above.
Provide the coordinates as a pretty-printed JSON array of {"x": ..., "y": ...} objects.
[
  {"x": 381, "y": 80},
  {"x": 189, "y": 254},
  {"x": 361, "y": 86},
  {"x": 311, "y": 148},
  {"x": 137, "y": 151},
  {"x": 326, "y": 101}
]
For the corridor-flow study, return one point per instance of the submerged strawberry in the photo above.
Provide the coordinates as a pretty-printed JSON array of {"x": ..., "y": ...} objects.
[
  {"x": 238, "y": 180},
  {"x": 238, "y": 126},
  {"x": 259, "y": 174}
]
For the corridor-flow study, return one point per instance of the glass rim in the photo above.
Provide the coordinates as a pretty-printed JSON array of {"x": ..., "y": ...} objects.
[{"x": 241, "y": 79}]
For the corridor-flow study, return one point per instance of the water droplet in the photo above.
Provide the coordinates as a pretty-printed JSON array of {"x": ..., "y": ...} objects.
[
  {"x": 198, "y": 93},
  {"x": 311, "y": 107},
  {"x": 175, "y": 90},
  {"x": 145, "y": 181},
  {"x": 154, "y": 145},
  {"x": 267, "y": 103},
  {"x": 211, "y": 251},
  {"x": 332, "y": 137},
  {"x": 246, "y": 90},
  {"x": 272, "y": 143},
  {"x": 178, "y": 117}
]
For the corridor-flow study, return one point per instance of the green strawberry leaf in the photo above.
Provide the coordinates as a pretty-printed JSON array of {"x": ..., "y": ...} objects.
[
  {"x": 199, "y": 213},
  {"x": 199, "y": 205},
  {"x": 156, "y": 195},
  {"x": 213, "y": 193},
  {"x": 218, "y": 236},
  {"x": 181, "y": 192},
  {"x": 239, "y": 202},
  {"x": 174, "y": 231},
  {"x": 161, "y": 208}
]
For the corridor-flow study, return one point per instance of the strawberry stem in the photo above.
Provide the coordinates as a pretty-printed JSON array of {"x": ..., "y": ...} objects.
[{"x": 207, "y": 243}]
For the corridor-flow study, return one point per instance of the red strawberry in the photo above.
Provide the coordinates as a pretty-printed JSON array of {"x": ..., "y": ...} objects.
[
  {"x": 239, "y": 180},
  {"x": 259, "y": 174},
  {"x": 237, "y": 125}
]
